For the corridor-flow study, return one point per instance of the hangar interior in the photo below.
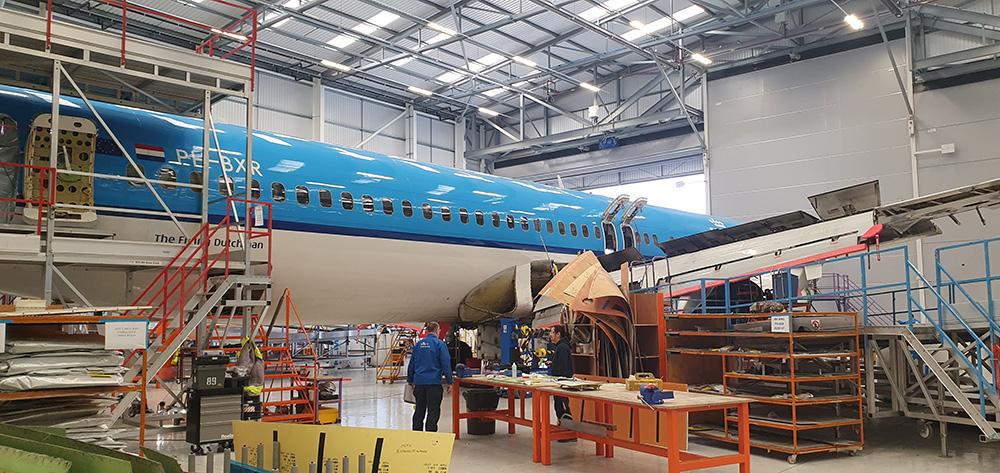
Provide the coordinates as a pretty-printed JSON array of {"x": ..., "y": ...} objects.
[{"x": 710, "y": 234}]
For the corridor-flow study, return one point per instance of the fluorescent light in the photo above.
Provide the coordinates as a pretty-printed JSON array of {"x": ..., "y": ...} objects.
[
  {"x": 441, "y": 28},
  {"x": 341, "y": 41},
  {"x": 380, "y": 20},
  {"x": 590, "y": 87},
  {"x": 662, "y": 23},
  {"x": 594, "y": 13},
  {"x": 525, "y": 61},
  {"x": 282, "y": 22},
  {"x": 701, "y": 58},
  {"x": 292, "y": 4},
  {"x": 450, "y": 76},
  {"x": 418, "y": 90},
  {"x": 854, "y": 22},
  {"x": 335, "y": 65},
  {"x": 438, "y": 38},
  {"x": 237, "y": 37},
  {"x": 402, "y": 61},
  {"x": 494, "y": 92},
  {"x": 488, "y": 112}
]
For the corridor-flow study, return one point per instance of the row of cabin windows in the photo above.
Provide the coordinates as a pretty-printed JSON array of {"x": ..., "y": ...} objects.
[{"x": 368, "y": 204}]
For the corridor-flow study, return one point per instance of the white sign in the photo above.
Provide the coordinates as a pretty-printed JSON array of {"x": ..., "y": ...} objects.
[
  {"x": 126, "y": 334},
  {"x": 258, "y": 216},
  {"x": 3, "y": 336},
  {"x": 781, "y": 323}
]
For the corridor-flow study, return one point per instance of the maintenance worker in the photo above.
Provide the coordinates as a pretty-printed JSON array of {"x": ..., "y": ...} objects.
[
  {"x": 250, "y": 365},
  {"x": 562, "y": 367},
  {"x": 429, "y": 363}
]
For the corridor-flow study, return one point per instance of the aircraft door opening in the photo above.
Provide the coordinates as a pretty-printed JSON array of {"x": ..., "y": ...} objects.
[
  {"x": 627, "y": 236},
  {"x": 610, "y": 238},
  {"x": 77, "y": 144}
]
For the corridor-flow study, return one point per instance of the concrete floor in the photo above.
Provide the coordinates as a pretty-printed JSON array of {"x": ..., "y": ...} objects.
[{"x": 892, "y": 445}]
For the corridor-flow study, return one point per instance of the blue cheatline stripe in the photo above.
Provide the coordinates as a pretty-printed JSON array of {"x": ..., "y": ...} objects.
[{"x": 373, "y": 233}]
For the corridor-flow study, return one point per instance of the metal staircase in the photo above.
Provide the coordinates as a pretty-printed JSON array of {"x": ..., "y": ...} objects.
[{"x": 194, "y": 294}]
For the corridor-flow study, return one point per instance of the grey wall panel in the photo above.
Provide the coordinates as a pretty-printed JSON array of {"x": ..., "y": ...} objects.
[
  {"x": 343, "y": 109},
  {"x": 784, "y": 133},
  {"x": 375, "y": 116},
  {"x": 442, "y": 135},
  {"x": 387, "y": 145},
  {"x": 280, "y": 122},
  {"x": 283, "y": 94},
  {"x": 342, "y": 135},
  {"x": 441, "y": 156},
  {"x": 230, "y": 111}
]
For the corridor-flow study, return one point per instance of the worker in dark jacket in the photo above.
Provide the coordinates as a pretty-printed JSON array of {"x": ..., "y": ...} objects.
[
  {"x": 562, "y": 366},
  {"x": 429, "y": 364}
]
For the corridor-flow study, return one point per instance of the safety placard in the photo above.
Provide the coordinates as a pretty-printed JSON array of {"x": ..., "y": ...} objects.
[
  {"x": 126, "y": 334},
  {"x": 781, "y": 323}
]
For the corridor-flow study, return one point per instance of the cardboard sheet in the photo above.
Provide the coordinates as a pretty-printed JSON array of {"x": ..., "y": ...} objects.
[{"x": 392, "y": 450}]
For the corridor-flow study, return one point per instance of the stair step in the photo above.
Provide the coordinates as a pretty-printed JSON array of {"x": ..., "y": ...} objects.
[
  {"x": 288, "y": 402},
  {"x": 285, "y": 389},
  {"x": 288, "y": 417}
]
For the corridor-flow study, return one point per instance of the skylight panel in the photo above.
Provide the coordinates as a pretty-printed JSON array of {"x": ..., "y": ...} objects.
[
  {"x": 341, "y": 41},
  {"x": 450, "y": 76},
  {"x": 641, "y": 30},
  {"x": 493, "y": 92},
  {"x": 596, "y": 12}
]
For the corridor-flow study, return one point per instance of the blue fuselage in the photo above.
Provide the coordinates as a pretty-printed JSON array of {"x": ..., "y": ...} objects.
[{"x": 324, "y": 188}]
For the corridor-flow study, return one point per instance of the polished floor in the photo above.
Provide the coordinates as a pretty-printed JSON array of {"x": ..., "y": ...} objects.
[{"x": 892, "y": 446}]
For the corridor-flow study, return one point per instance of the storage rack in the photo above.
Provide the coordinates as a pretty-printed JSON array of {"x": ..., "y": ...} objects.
[
  {"x": 48, "y": 320},
  {"x": 701, "y": 348}
]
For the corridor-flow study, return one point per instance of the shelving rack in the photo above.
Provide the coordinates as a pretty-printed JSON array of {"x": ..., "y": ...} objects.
[
  {"x": 805, "y": 384},
  {"x": 49, "y": 320}
]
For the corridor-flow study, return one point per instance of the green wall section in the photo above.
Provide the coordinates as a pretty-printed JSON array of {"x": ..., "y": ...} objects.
[{"x": 19, "y": 461}]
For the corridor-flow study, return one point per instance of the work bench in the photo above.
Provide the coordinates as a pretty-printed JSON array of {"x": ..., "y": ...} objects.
[{"x": 598, "y": 408}]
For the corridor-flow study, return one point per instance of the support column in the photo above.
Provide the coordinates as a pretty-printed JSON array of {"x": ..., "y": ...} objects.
[
  {"x": 247, "y": 217},
  {"x": 53, "y": 161},
  {"x": 459, "y": 161},
  {"x": 206, "y": 146},
  {"x": 318, "y": 110},
  {"x": 411, "y": 132}
]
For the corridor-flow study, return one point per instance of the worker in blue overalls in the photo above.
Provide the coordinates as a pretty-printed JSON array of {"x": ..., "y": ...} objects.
[{"x": 430, "y": 363}]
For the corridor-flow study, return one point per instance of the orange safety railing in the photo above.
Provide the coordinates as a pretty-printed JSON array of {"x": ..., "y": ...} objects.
[
  {"x": 306, "y": 384},
  {"x": 209, "y": 45},
  {"x": 189, "y": 271},
  {"x": 45, "y": 200}
]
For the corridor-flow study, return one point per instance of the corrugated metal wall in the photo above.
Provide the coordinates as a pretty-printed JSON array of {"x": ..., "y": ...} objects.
[{"x": 286, "y": 106}]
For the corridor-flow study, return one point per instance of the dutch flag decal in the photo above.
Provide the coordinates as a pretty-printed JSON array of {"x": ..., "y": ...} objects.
[{"x": 155, "y": 153}]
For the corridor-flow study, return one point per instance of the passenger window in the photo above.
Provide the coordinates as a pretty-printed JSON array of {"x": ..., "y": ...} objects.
[
  {"x": 428, "y": 211},
  {"x": 572, "y": 228},
  {"x": 225, "y": 185},
  {"x": 656, "y": 241},
  {"x": 446, "y": 214},
  {"x": 480, "y": 219},
  {"x": 538, "y": 225},
  {"x": 510, "y": 222},
  {"x": 524, "y": 223},
  {"x": 347, "y": 200},
  {"x": 548, "y": 226},
  {"x": 562, "y": 228},
  {"x": 195, "y": 180},
  {"x": 277, "y": 192},
  {"x": 586, "y": 230},
  {"x": 407, "y": 209},
  {"x": 597, "y": 232},
  {"x": 368, "y": 203},
  {"x": 638, "y": 237},
  {"x": 496, "y": 220},
  {"x": 133, "y": 173},
  {"x": 169, "y": 175},
  {"x": 302, "y": 194},
  {"x": 325, "y": 198},
  {"x": 463, "y": 215},
  {"x": 387, "y": 206},
  {"x": 645, "y": 238},
  {"x": 254, "y": 189}
]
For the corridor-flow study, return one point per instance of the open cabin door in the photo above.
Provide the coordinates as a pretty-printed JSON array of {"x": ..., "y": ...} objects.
[
  {"x": 76, "y": 145},
  {"x": 607, "y": 223},
  {"x": 628, "y": 234}
]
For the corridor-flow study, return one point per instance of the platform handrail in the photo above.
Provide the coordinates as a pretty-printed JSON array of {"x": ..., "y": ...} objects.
[{"x": 44, "y": 202}]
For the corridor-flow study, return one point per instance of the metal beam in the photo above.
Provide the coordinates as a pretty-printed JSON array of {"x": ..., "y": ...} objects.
[
  {"x": 501, "y": 130},
  {"x": 653, "y": 82},
  {"x": 959, "y": 14},
  {"x": 962, "y": 28},
  {"x": 558, "y": 110},
  {"x": 405, "y": 112},
  {"x": 959, "y": 56}
]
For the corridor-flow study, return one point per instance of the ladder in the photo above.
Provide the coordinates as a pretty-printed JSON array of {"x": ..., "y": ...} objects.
[
  {"x": 291, "y": 388},
  {"x": 392, "y": 366}
]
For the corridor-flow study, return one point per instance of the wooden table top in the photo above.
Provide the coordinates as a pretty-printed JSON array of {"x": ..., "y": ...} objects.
[
  {"x": 507, "y": 382},
  {"x": 618, "y": 394}
]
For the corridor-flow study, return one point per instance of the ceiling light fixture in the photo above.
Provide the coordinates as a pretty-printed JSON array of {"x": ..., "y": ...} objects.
[
  {"x": 441, "y": 28},
  {"x": 639, "y": 29},
  {"x": 335, "y": 65},
  {"x": 701, "y": 58},
  {"x": 851, "y": 19},
  {"x": 488, "y": 112},
  {"x": 418, "y": 90},
  {"x": 525, "y": 61},
  {"x": 636, "y": 24},
  {"x": 590, "y": 87},
  {"x": 237, "y": 37}
]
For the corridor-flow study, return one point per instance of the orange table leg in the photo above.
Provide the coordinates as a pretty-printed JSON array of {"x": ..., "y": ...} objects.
[
  {"x": 673, "y": 442},
  {"x": 536, "y": 428},
  {"x": 543, "y": 411},
  {"x": 598, "y": 417},
  {"x": 456, "y": 409},
  {"x": 744, "y": 437},
  {"x": 523, "y": 395},
  {"x": 609, "y": 417},
  {"x": 510, "y": 410}
]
